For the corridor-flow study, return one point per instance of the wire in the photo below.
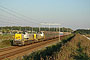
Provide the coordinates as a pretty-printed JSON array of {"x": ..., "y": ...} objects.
[
  {"x": 4, "y": 17},
  {"x": 18, "y": 14}
]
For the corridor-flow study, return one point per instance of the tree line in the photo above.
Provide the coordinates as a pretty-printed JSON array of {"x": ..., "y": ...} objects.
[
  {"x": 82, "y": 31},
  {"x": 8, "y": 29}
]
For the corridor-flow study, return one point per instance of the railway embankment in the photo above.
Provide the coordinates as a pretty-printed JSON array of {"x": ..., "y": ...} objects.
[
  {"x": 49, "y": 52},
  {"x": 71, "y": 47},
  {"x": 77, "y": 48}
]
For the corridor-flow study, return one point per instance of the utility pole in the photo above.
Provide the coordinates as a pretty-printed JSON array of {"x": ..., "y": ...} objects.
[
  {"x": 25, "y": 28},
  {"x": 11, "y": 29},
  {"x": 29, "y": 28},
  {"x": 32, "y": 29},
  {"x": 39, "y": 28},
  {"x": 49, "y": 27},
  {"x": 59, "y": 33},
  {"x": 20, "y": 28},
  {"x": 67, "y": 29}
]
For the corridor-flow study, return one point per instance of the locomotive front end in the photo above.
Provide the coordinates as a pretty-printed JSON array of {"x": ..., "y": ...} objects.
[{"x": 19, "y": 39}]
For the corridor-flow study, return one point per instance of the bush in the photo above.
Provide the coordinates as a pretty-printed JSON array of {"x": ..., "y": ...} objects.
[
  {"x": 5, "y": 43},
  {"x": 81, "y": 55},
  {"x": 48, "y": 51}
]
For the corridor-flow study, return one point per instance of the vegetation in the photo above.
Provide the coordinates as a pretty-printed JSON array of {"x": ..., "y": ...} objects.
[
  {"x": 80, "y": 55},
  {"x": 76, "y": 49},
  {"x": 48, "y": 52},
  {"x": 88, "y": 35},
  {"x": 82, "y": 31},
  {"x": 5, "y": 40},
  {"x": 8, "y": 29},
  {"x": 5, "y": 43},
  {"x": 6, "y": 37}
]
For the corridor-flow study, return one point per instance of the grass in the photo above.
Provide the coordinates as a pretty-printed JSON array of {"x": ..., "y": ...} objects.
[
  {"x": 76, "y": 49},
  {"x": 88, "y": 35},
  {"x": 5, "y": 40},
  {"x": 80, "y": 54},
  {"x": 5, "y": 43},
  {"x": 6, "y": 37},
  {"x": 48, "y": 51}
]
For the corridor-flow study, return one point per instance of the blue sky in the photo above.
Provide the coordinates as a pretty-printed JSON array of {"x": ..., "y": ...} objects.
[{"x": 69, "y": 13}]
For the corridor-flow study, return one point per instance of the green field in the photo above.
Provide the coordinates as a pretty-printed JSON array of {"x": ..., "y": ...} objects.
[{"x": 5, "y": 40}]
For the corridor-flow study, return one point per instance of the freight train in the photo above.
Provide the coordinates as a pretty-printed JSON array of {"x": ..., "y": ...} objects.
[{"x": 26, "y": 38}]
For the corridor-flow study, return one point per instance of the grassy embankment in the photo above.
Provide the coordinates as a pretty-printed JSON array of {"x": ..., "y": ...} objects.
[
  {"x": 49, "y": 52},
  {"x": 5, "y": 40},
  {"x": 88, "y": 35},
  {"x": 78, "y": 48}
]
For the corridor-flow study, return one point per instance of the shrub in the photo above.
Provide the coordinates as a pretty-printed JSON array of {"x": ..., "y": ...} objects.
[{"x": 48, "y": 51}]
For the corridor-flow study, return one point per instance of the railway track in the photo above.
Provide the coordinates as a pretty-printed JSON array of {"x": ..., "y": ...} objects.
[
  {"x": 16, "y": 50},
  {"x": 15, "y": 47},
  {"x": 9, "y": 48}
]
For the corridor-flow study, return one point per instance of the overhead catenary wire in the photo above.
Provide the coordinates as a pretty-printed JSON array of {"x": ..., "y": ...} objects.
[
  {"x": 7, "y": 23},
  {"x": 17, "y": 17},
  {"x": 10, "y": 19},
  {"x": 21, "y": 15}
]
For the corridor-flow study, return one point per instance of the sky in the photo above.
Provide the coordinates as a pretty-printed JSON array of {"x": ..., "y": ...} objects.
[{"x": 73, "y": 14}]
